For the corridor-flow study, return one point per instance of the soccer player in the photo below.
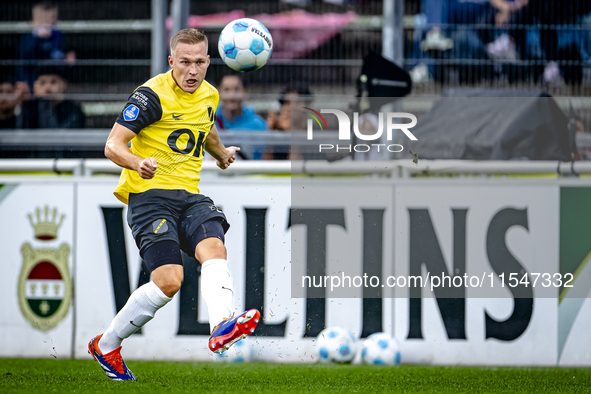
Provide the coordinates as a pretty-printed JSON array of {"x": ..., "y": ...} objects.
[{"x": 170, "y": 121}]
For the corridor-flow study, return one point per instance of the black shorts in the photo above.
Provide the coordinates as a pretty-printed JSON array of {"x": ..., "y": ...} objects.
[{"x": 170, "y": 215}]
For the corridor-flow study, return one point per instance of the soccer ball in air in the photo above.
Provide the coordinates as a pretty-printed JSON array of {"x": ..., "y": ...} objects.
[
  {"x": 240, "y": 352},
  {"x": 245, "y": 44},
  {"x": 380, "y": 348},
  {"x": 337, "y": 345}
]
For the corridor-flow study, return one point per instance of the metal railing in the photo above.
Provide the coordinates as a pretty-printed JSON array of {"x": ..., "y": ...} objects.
[
  {"x": 98, "y": 137},
  {"x": 82, "y": 26},
  {"x": 393, "y": 168},
  {"x": 90, "y": 143}
]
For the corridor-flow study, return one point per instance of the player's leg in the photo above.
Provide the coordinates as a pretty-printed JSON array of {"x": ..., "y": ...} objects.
[
  {"x": 156, "y": 234},
  {"x": 165, "y": 261},
  {"x": 217, "y": 288}
]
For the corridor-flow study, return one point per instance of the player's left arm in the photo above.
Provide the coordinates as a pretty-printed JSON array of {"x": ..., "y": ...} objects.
[{"x": 213, "y": 145}]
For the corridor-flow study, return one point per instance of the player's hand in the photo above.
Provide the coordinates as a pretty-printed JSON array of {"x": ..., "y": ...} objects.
[
  {"x": 147, "y": 168},
  {"x": 229, "y": 158}
]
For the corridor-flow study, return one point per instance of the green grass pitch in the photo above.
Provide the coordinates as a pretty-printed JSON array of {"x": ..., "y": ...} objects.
[{"x": 48, "y": 376}]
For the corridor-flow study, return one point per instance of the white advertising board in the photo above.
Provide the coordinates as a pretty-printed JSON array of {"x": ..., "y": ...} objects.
[
  {"x": 462, "y": 222},
  {"x": 462, "y": 227},
  {"x": 36, "y": 239}
]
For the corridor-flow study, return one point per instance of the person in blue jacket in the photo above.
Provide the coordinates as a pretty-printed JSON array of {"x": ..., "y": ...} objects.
[
  {"x": 233, "y": 114},
  {"x": 44, "y": 44}
]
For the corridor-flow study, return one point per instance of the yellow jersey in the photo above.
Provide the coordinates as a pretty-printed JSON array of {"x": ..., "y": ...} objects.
[{"x": 171, "y": 126}]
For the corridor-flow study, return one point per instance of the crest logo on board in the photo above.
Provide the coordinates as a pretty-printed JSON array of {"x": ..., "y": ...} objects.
[{"x": 45, "y": 285}]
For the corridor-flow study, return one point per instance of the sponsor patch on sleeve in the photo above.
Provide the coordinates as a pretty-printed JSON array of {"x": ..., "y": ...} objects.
[
  {"x": 141, "y": 99},
  {"x": 131, "y": 113}
]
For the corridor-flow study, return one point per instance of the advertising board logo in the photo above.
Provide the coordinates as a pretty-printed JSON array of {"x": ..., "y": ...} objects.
[
  {"x": 392, "y": 123},
  {"x": 44, "y": 285}
]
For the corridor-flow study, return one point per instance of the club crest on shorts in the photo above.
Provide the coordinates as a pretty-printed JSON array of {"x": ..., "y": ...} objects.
[
  {"x": 159, "y": 226},
  {"x": 131, "y": 113},
  {"x": 45, "y": 285}
]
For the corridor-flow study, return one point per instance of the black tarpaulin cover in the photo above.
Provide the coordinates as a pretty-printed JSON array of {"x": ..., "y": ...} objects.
[{"x": 512, "y": 125}]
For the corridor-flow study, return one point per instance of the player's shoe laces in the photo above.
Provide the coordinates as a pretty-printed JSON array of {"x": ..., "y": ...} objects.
[
  {"x": 111, "y": 363},
  {"x": 232, "y": 330}
]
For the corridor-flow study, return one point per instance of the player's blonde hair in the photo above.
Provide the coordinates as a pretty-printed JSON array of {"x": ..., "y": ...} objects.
[{"x": 188, "y": 36}]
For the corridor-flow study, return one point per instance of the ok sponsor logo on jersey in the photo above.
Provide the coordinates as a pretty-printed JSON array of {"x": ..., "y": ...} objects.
[{"x": 184, "y": 141}]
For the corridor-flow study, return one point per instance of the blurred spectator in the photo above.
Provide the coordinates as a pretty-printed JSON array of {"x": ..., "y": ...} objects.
[
  {"x": 441, "y": 14},
  {"x": 45, "y": 42},
  {"x": 447, "y": 32},
  {"x": 8, "y": 104},
  {"x": 563, "y": 42},
  {"x": 435, "y": 39},
  {"x": 290, "y": 117},
  {"x": 48, "y": 109},
  {"x": 292, "y": 96},
  {"x": 561, "y": 38},
  {"x": 546, "y": 32},
  {"x": 233, "y": 114}
]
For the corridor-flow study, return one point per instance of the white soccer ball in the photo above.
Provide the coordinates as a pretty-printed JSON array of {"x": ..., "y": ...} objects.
[
  {"x": 245, "y": 45},
  {"x": 240, "y": 352},
  {"x": 336, "y": 345},
  {"x": 380, "y": 348}
]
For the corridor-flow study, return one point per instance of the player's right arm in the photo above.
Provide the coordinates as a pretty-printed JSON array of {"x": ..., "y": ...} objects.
[
  {"x": 118, "y": 152},
  {"x": 142, "y": 109}
]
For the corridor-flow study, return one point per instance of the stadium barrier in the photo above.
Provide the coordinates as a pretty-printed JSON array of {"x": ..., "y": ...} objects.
[
  {"x": 69, "y": 261},
  {"x": 392, "y": 168}
]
